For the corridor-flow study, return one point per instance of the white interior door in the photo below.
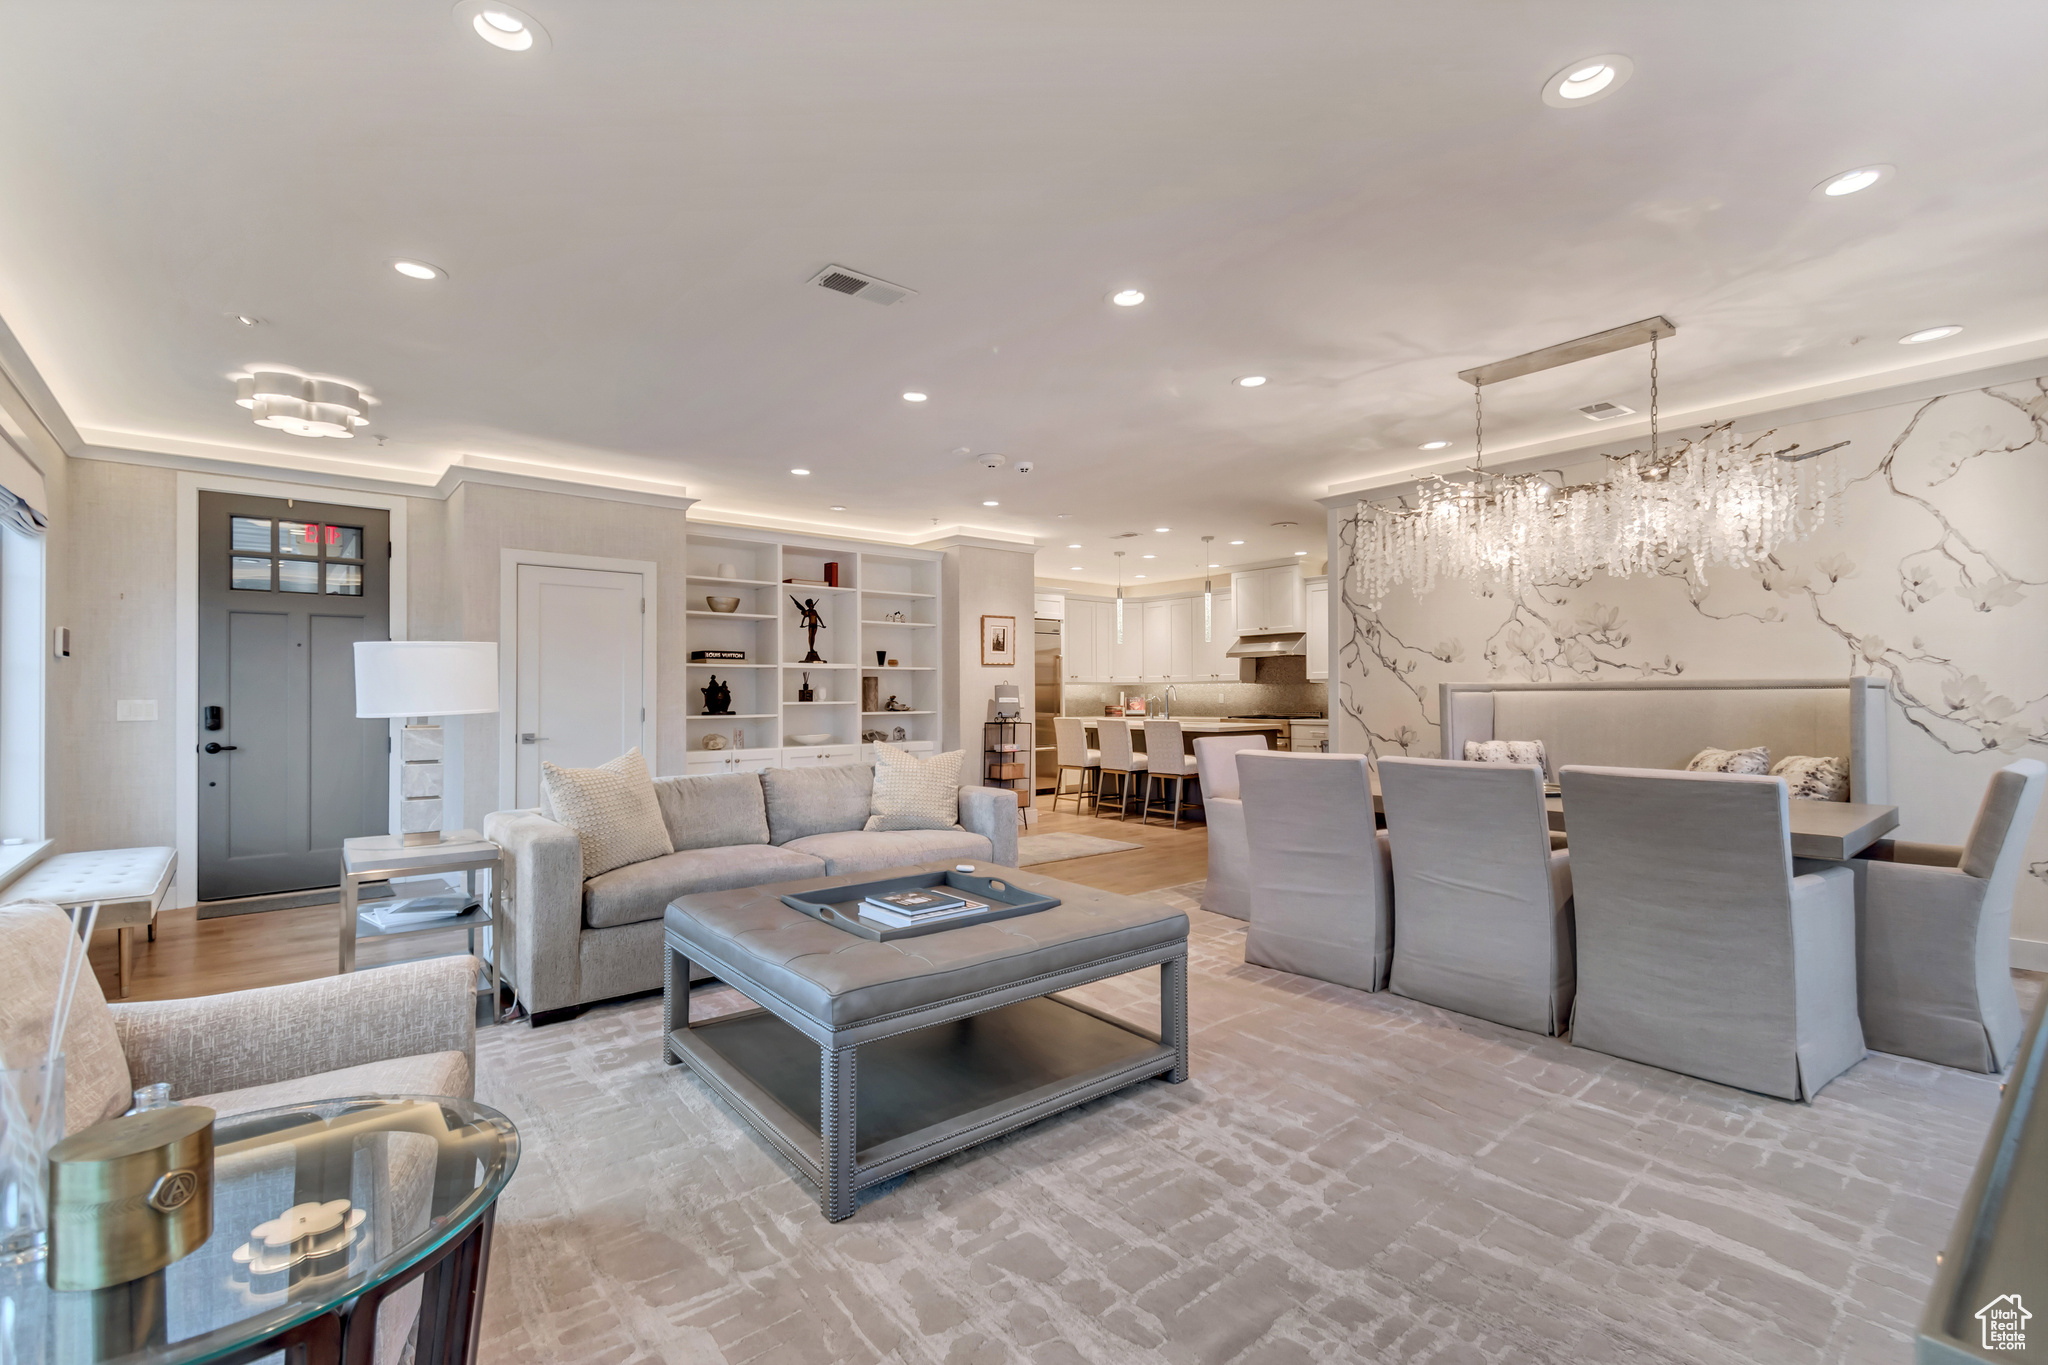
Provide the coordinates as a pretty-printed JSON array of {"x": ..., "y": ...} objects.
[{"x": 582, "y": 670}]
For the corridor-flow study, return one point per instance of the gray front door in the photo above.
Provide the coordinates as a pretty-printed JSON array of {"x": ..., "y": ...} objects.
[{"x": 286, "y": 771}]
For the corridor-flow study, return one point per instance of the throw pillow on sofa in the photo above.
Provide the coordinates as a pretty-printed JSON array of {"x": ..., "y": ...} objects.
[
  {"x": 613, "y": 810},
  {"x": 913, "y": 792},
  {"x": 1814, "y": 779},
  {"x": 829, "y": 799},
  {"x": 33, "y": 939},
  {"x": 1752, "y": 762},
  {"x": 1507, "y": 751}
]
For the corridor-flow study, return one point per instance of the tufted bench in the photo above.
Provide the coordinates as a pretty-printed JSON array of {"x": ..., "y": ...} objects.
[
  {"x": 128, "y": 885},
  {"x": 866, "y": 1059}
]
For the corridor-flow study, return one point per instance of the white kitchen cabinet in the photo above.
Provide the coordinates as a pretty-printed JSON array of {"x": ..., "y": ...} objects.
[
  {"x": 1316, "y": 597},
  {"x": 1127, "y": 657},
  {"x": 1180, "y": 642},
  {"x": 1049, "y": 606},
  {"x": 1077, "y": 642},
  {"x": 1268, "y": 599},
  {"x": 731, "y": 761},
  {"x": 833, "y": 756},
  {"x": 1158, "y": 641},
  {"x": 1212, "y": 656}
]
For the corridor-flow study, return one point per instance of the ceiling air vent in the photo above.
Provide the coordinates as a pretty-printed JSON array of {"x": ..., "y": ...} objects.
[
  {"x": 840, "y": 280},
  {"x": 1605, "y": 412},
  {"x": 1126, "y": 535}
]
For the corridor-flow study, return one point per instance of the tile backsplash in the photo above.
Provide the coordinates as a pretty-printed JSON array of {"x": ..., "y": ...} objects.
[{"x": 1283, "y": 689}]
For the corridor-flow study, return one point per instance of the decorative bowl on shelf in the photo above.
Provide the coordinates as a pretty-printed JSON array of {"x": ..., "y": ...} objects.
[
  {"x": 809, "y": 740},
  {"x": 723, "y": 603}
]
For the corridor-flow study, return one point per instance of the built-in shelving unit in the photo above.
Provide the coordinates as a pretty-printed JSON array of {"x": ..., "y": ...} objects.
[{"x": 873, "y": 586}]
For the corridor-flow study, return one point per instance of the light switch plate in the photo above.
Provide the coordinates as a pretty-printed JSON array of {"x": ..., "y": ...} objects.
[{"x": 134, "y": 710}]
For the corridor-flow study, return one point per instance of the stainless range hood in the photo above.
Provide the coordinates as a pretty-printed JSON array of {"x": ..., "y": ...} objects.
[{"x": 1269, "y": 645}]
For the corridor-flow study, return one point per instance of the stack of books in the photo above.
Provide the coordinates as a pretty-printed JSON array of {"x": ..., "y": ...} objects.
[
  {"x": 905, "y": 909},
  {"x": 398, "y": 916}
]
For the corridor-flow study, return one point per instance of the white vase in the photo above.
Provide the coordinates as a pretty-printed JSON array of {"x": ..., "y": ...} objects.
[{"x": 31, "y": 1123}]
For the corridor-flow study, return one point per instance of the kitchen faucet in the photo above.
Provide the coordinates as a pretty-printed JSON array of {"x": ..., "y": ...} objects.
[{"x": 1166, "y": 704}]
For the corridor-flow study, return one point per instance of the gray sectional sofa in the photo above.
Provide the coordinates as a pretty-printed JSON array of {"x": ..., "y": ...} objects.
[{"x": 570, "y": 942}]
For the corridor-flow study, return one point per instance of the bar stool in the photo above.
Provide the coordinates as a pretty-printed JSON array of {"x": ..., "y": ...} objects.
[
  {"x": 1070, "y": 736},
  {"x": 1114, "y": 735},
  {"x": 1167, "y": 760}
]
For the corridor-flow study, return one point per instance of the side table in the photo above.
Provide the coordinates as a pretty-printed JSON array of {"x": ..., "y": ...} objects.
[{"x": 379, "y": 857}]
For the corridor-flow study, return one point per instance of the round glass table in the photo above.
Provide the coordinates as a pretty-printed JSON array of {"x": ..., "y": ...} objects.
[{"x": 343, "y": 1229}]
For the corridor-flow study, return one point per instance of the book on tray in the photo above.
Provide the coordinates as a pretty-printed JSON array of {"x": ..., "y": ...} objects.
[{"x": 903, "y": 909}]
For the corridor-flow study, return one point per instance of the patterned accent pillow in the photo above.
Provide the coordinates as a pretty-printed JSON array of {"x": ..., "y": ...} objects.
[
  {"x": 1751, "y": 762},
  {"x": 1814, "y": 779},
  {"x": 1507, "y": 751},
  {"x": 34, "y": 937},
  {"x": 913, "y": 792},
  {"x": 613, "y": 810}
]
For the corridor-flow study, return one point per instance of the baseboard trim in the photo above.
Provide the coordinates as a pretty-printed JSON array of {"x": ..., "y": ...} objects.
[
  {"x": 287, "y": 900},
  {"x": 2030, "y": 955}
]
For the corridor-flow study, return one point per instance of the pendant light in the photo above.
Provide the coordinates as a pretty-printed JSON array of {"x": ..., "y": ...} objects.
[
  {"x": 1119, "y": 596},
  {"x": 1208, "y": 591}
]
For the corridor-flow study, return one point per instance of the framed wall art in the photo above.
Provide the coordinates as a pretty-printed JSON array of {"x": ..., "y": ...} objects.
[{"x": 999, "y": 641}]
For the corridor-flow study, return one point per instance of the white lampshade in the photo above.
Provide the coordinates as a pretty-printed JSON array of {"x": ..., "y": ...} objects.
[{"x": 426, "y": 677}]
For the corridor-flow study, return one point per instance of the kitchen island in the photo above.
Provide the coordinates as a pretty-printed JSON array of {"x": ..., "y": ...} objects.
[{"x": 1193, "y": 728}]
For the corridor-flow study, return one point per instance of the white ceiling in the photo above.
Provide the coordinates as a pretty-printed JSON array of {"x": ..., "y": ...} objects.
[{"x": 1356, "y": 199}]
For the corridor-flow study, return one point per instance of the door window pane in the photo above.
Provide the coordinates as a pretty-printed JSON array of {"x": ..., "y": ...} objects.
[
  {"x": 344, "y": 542},
  {"x": 297, "y": 577},
  {"x": 250, "y": 575},
  {"x": 298, "y": 538},
  {"x": 344, "y": 580},
  {"x": 250, "y": 533}
]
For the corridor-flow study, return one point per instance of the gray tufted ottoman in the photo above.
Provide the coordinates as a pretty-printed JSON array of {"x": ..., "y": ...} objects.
[{"x": 867, "y": 1059}]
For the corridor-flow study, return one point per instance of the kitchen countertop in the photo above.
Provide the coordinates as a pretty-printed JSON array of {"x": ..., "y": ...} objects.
[{"x": 1217, "y": 723}]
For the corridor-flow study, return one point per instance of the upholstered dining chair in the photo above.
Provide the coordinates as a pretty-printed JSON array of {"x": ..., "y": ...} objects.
[
  {"x": 1228, "y": 891},
  {"x": 1167, "y": 760},
  {"x": 1486, "y": 904},
  {"x": 1701, "y": 947},
  {"x": 1322, "y": 899},
  {"x": 1070, "y": 739},
  {"x": 1119, "y": 759},
  {"x": 1934, "y": 934}
]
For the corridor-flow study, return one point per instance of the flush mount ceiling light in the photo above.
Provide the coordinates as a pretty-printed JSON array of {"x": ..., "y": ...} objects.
[
  {"x": 1127, "y": 298},
  {"x": 418, "y": 270},
  {"x": 1432, "y": 445},
  {"x": 300, "y": 406},
  {"x": 914, "y": 397},
  {"x": 1250, "y": 381},
  {"x": 505, "y": 27},
  {"x": 1928, "y": 334},
  {"x": 1849, "y": 182},
  {"x": 1587, "y": 80}
]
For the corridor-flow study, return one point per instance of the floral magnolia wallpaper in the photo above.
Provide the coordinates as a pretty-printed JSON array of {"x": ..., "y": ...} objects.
[{"x": 1935, "y": 579}]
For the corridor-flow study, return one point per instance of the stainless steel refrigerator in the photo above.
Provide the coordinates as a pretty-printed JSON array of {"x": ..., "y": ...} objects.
[{"x": 1045, "y": 657}]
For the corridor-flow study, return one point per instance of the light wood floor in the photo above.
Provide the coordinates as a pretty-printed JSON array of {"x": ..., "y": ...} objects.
[{"x": 192, "y": 956}]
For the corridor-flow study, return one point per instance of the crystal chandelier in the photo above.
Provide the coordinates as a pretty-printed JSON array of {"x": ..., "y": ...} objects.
[{"x": 1719, "y": 498}]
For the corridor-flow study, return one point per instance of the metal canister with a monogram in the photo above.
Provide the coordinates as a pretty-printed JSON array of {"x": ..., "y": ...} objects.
[{"x": 130, "y": 1195}]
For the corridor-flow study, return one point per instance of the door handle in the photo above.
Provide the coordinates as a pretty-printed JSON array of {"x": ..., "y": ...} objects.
[
  {"x": 221, "y": 748},
  {"x": 530, "y": 738}
]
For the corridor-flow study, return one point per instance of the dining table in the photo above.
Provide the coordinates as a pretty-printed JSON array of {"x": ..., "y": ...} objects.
[{"x": 1829, "y": 831}]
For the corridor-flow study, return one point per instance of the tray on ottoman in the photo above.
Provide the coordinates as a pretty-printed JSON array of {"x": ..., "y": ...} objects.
[
  {"x": 840, "y": 907},
  {"x": 869, "y": 1058}
]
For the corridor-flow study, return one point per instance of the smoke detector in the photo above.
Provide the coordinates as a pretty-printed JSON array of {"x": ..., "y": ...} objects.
[
  {"x": 991, "y": 460},
  {"x": 1023, "y": 466},
  {"x": 1604, "y": 411},
  {"x": 841, "y": 280}
]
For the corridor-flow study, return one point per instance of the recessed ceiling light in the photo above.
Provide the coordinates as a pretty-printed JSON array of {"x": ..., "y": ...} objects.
[
  {"x": 501, "y": 27},
  {"x": 1432, "y": 445},
  {"x": 1301, "y": 552},
  {"x": 799, "y": 471},
  {"x": 1074, "y": 547},
  {"x": 246, "y": 320},
  {"x": 1127, "y": 298},
  {"x": 419, "y": 270},
  {"x": 1148, "y": 556},
  {"x": 1075, "y": 569},
  {"x": 1161, "y": 530},
  {"x": 990, "y": 502},
  {"x": 1137, "y": 575},
  {"x": 837, "y": 507},
  {"x": 1215, "y": 566},
  {"x": 1928, "y": 334},
  {"x": 1237, "y": 542},
  {"x": 1587, "y": 80},
  {"x": 1849, "y": 182},
  {"x": 913, "y": 397},
  {"x": 1250, "y": 381}
]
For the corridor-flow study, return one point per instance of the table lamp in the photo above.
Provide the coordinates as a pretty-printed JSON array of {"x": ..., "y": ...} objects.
[{"x": 422, "y": 679}]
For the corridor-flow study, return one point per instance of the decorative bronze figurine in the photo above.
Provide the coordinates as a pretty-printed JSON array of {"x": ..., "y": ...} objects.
[
  {"x": 717, "y": 697},
  {"x": 809, "y": 618}
]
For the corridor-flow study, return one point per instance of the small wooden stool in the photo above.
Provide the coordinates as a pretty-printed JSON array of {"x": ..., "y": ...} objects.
[{"x": 128, "y": 884}]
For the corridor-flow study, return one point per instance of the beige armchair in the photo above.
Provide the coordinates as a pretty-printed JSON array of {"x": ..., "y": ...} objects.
[{"x": 1934, "y": 933}]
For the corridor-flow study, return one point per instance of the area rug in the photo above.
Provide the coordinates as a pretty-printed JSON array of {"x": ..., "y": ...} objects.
[
  {"x": 1033, "y": 849},
  {"x": 1346, "y": 1177}
]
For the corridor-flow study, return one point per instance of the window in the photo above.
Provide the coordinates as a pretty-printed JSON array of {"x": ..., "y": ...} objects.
[
  {"x": 22, "y": 664},
  {"x": 294, "y": 556}
]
